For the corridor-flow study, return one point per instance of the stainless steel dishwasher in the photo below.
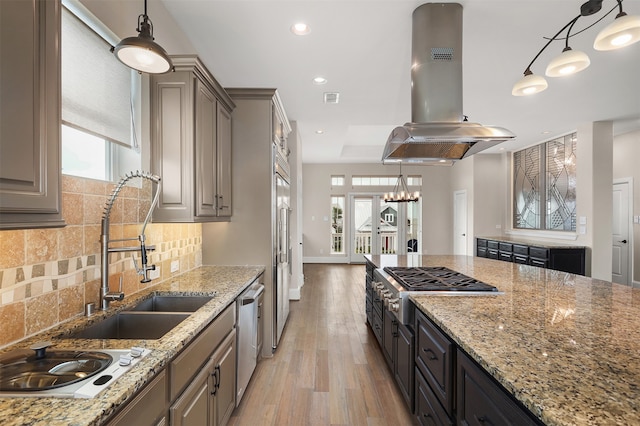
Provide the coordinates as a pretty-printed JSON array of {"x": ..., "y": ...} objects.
[{"x": 247, "y": 336}]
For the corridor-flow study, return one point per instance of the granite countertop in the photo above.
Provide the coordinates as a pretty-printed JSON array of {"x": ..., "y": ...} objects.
[
  {"x": 225, "y": 283},
  {"x": 566, "y": 346},
  {"x": 530, "y": 242}
]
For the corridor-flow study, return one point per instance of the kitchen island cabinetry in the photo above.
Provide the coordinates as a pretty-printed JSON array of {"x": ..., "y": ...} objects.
[
  {"x": 561, "y": 258},
  {"x": 450, "y": 386},
  {"x": 30, "y": 178},
  {"x": 191, "y": 143}
]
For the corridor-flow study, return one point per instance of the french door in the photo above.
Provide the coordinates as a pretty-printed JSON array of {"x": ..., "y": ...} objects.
[{"x": 377, "y": 227}]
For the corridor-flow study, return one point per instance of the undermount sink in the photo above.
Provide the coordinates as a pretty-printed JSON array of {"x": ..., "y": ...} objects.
[
  {"x": 133, "y": 325},
  {"x": 172, "y": 303}
]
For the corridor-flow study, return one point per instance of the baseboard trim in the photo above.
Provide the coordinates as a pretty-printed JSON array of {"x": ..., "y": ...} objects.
[{"x": 325, "y": 260}]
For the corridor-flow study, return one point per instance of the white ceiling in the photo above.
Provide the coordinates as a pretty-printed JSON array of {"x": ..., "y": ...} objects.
[{"x": 363, "y": 48}]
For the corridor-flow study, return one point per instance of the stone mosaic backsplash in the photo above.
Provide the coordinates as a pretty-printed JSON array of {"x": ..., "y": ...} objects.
[{"x": 48, "y": 275}]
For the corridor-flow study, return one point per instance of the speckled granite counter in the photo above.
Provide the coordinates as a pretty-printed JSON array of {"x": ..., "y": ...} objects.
[
  {"x": 225, "y": 282},
  {"x": 566, "y": 346}
]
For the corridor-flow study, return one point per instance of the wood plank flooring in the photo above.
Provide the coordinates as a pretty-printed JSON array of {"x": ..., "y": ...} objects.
[{"x": 328, "y": 368}]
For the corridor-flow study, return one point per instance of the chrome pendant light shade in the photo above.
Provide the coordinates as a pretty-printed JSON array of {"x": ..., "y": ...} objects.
[{"x": 140, "y": 52}]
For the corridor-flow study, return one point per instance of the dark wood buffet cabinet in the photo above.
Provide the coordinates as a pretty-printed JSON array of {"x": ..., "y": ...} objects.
[{"x": 561, "y": 258}]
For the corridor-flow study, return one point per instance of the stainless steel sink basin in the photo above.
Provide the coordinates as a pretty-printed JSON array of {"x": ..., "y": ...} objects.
[
  {"x": 172, "y": 303},
  {"x": 133, "y": 325}
]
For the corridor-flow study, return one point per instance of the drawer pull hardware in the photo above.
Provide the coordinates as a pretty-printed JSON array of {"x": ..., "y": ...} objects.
[
  {"x": 484, "y": 420},
  {"x": 433, "y": 356}
]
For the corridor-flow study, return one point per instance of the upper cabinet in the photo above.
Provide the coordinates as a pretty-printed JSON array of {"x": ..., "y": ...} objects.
[
  {"x": 191, "y": 143},
  {"x": 30, "y": 178}
]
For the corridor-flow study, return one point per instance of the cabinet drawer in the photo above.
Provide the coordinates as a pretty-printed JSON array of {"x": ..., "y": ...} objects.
[
  {"x": 434, "y": 359},
  {"x": 493, "y": 244},
  {"x": 505, "y": 256},
  {"x": 148, "y": 407},
  {"x": 524, "y": 260},
  {"x": 492, "y": 254},
  {"x": 428, "y": 412},
  {"x": 518, "y": 249},
  {"x": 538, "y": 253},
  {"x": 482, "y": 252},
  {"x": 481, "y": 242},
  {"x": 505, "y": 247},
  {"x": 188, "y": 362},
  {"x": 481, "y": 399}
]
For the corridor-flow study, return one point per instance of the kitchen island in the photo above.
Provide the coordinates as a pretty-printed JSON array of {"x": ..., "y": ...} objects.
[
  {"x": 225, "y": 283},
  {"x": 565, "y": 346}
]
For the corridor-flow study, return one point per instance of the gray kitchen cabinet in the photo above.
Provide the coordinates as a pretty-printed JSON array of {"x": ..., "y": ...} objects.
[
  {"x": 149, "y": 407},
  {"x": 193, "y": 406},
  {"x": 224, "y": 380},
  {"x": 191, "y": 143},
  {"x": 30, "y": 173}
]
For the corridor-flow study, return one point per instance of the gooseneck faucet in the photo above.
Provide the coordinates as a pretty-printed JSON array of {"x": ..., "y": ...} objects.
[{"x": 106, "y": 295}]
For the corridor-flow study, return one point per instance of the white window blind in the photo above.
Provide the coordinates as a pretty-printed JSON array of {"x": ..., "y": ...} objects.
[{"x": 96, "y": 87}]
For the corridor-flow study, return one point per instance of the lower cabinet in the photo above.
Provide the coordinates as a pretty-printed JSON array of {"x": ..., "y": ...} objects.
[
  {"x": 148, "y": 407},
  {"x": 450, "y": 388},
  {"x": 482, "y": 401},
  {"x": 210, "y": 398}
]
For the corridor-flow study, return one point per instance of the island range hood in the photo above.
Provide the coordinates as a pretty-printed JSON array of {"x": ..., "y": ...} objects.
[{"x": 439, "y": 133}]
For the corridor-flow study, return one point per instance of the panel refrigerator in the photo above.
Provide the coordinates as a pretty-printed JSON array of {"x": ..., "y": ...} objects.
[{"x": 281, "y": 246}]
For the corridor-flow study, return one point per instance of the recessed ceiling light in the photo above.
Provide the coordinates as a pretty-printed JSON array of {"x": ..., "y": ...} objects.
[
  {"x": 319, "y": 80},
  {"x": 300, "y": 29},
  {"x": 319, "y": 131},
  {"x": 546, "y": 132}
]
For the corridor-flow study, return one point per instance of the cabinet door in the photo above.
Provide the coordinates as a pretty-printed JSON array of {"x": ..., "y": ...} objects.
[
  {"x": 172, "y": 145},
  {"x": 404, "y": 363},
  {"x": 30, "y": 193},
  {"x": 482, "y": 401},
  {"x": 194, "y": 405},
  {"x": 224, "y": 377},
  {"x": 224, "y": 162},
  {"x": 389, "y": 336},
  {"x": 206, "y": 158}
]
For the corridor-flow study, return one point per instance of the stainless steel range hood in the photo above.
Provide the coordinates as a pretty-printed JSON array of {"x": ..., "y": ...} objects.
[{"x": 438, "y": 132}]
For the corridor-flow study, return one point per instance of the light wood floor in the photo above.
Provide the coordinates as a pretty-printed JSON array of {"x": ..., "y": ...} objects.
[{"x": 328, "y": 368}]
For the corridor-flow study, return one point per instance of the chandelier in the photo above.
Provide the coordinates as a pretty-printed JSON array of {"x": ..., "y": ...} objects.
[
  {"x": 623, "y": 31},
  {"x": 401, "y": 193}
]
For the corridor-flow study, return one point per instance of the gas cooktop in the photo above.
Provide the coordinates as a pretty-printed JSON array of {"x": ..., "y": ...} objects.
[{"x": 435, "y": 278}]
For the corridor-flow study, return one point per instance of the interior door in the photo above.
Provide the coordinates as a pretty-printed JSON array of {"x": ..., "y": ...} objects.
[
  {"x": 460, "y": 222},
  {"x": 620, "y": 233}
]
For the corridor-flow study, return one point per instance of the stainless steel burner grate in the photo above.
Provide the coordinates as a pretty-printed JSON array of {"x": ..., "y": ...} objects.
[{"x": 432, "y": 278}]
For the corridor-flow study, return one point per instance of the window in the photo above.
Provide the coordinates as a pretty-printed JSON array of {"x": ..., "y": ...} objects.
[
  {"x": 337, "y": 225},
  {"x": 544, "y": 187},
  {"x": 337, "y": 180},
  {"x": 389, "y": 217},
  {"x": 384, "y": 180},
  {"x": 100, "y": 100}
]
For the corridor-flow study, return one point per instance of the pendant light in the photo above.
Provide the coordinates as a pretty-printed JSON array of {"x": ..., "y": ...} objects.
[
  {"x": 401, "y": 193},
  {"x": 140, "y": 52},
  {"x": 623, "y": 31}
]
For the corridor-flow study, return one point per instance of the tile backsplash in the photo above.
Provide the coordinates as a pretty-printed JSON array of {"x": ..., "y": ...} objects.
[{"x": 47, "y": 275}]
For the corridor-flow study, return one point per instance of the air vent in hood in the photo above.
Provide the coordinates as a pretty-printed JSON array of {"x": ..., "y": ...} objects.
[{"x": 438, "y": 132}]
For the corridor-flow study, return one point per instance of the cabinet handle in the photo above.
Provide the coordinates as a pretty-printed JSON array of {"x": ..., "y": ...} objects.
[
  {"x": 218, "y": 375},
  {"x": 433, "y": 356},
  {"x": 483, "y": 420}
]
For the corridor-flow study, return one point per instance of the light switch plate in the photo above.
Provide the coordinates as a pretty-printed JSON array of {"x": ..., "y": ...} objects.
[
  {"x": 175, "y": 265},
  {"x": 155, "y": 274},
  {"x": 583, "y": 220}
]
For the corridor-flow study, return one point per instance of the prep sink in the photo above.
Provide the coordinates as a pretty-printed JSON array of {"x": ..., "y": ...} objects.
[
  {"x": 133, "y": 325},
  {"x": 172, "y": 303}
]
